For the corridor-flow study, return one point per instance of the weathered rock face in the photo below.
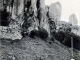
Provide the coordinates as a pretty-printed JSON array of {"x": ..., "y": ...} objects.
[
  {"x": 13, "y": 15},
  {"x": 36, "y": 16},
  {"x": 47, "y": 19},
  {"x": 44, "y": 23},
  {"x": 31, "y": 20},
  {"x": 47, "y": 10},
  {"x": 11, "y": 33},
  {"x": 13, "y": 7},
  {"x": 55, "y": 11},
  {"x": 34, "y": 7},
  {"x": 73, "y": 20},
  {"x": 54, "y": 15},
  {"x": 18, "y": 8}
]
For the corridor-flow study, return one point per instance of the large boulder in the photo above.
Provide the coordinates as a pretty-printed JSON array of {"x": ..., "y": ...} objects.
[{"x": 36, "y": 16}]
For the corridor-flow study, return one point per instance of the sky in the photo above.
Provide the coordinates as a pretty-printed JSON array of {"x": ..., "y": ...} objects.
[{"x": 68, "y": 7}]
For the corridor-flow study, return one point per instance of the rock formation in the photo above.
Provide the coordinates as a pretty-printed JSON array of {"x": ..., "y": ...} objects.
[
  {"x": 43, "y": 20},
  {"x": 55, "y": 11},
  {"x": 11, "y": 18},
  {"x": 31, "y": 16},
  {"x": 73, "y": 19},
  {"x": 37, "y": 17}
]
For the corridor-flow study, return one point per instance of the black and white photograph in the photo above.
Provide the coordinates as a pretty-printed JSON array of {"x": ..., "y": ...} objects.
[{"x": 39, "y": 29}]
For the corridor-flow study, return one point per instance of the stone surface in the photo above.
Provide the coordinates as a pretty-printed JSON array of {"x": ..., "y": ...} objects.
[
  {"x": 10, "y": 33},
  {"x": 73, "y": 19},
  {"x": 55, "y": 11},
  {"x": 44, "y": 23},
  {"x": 38, "y": 17},
  {"x": 16, "y": 9}
]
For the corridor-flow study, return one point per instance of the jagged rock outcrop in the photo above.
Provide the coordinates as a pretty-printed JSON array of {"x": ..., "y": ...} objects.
[
  {"x": 43, "y": 20},
  {"x": 33, "y": 16},
  {"x": 55, "y": 11},
  {"x": 34, "y": 7},
  {"x": 11, "y": 18},
  {"x": 30, "y": 12},
  {"x": 47, "y": 19},
  {"x": 17, "y": 10},
  {"x": 54, "y": 16},
  {"x": 73, "y": 19},
  {"x": 13, "y": 7},
  {"x": 37, "y": 19}
]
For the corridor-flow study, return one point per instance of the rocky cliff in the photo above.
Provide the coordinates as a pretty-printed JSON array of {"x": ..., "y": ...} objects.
[{"x": 31, "y": 18}]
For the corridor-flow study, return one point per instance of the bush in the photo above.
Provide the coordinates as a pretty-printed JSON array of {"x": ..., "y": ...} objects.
[
  {"x": 43, "y": 33},
  {"x": 34, "y": 33}
]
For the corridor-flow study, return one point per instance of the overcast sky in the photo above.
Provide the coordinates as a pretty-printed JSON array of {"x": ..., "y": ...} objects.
[{"x": 68, "y": 7}]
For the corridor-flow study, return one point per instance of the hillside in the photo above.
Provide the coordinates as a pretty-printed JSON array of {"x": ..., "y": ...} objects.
[{"x": 35, "y": 49}]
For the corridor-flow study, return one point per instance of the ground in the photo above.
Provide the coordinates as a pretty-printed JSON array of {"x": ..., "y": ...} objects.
[{"x": 35, "y": 49}]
